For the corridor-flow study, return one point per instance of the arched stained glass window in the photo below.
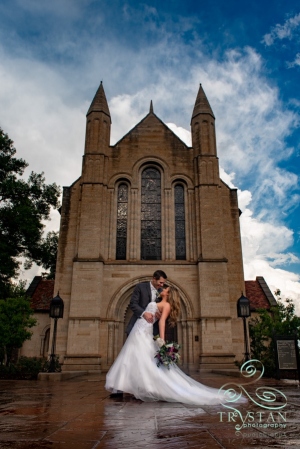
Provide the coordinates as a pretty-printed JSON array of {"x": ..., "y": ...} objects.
[
  {"x": 179, "y": 223},
  {"x": 151, "y": 215},
  {"x": 122, "y": 216}
]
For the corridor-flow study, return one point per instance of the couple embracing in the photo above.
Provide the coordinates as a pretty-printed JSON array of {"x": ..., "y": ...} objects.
[
  {"x": 143, "y": 294},
  {"x": 135, "y": 369}
]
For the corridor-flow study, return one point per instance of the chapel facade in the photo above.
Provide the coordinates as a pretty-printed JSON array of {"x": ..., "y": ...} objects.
[{"x": 149, "y": 202}]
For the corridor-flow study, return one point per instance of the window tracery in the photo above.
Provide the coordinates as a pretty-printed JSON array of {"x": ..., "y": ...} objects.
[
  {"x": 122, "y": 218},
  {"x": 180, "y": 241},
  {"x": 151, "y": 214}
]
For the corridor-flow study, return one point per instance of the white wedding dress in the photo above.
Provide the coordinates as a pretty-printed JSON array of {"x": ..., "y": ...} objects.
[{"x": 135, "y": 371}]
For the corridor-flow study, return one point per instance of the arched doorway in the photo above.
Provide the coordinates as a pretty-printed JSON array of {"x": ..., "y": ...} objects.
[
  {"x": 118, "y": 316},
  {"x": 171, "y": 332}
]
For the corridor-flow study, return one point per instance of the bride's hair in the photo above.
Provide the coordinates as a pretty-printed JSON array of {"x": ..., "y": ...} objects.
[{"x": 174, "y": 301}]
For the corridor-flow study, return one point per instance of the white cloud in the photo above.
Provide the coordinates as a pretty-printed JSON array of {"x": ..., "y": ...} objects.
[
  {"x": 265, "y": 246},
  {"x": 227, "y": 177},
  {"x": 126, "y": 111},
  {"x": 245, "y": 198},
  {"x": 182, "y": 133},
  {"x": 294, "y": 63},
  {"x": 285, "y": 31},
  {"x": 262, "y": 238},
  {"x": 47, "y": 130}
]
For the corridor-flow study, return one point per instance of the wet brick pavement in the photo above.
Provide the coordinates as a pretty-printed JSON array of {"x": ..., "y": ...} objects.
[{"x": 78, "y": 414}]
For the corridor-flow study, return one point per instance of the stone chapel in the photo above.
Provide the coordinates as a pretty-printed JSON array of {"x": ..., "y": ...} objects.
[{"x": 149, "y": 202}]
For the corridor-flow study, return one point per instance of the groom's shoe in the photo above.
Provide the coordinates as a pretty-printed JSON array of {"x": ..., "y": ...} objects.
[{"x": 119, "y": 394}]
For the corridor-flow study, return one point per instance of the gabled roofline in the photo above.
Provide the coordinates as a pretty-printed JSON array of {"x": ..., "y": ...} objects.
[
  {"x": 266, "y": 290},
  {"x": 73, "y": 183},
  {"x": 150, "y": 113},
  {"x": 33, "y": 285},
  {"x": 230, "y": 188}
]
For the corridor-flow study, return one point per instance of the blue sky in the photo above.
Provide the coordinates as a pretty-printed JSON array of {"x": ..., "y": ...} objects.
[{"x": 247, "y": 57}]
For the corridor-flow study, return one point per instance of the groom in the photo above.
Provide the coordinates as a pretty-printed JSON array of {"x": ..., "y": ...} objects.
[{"x": 144, "y": 293}]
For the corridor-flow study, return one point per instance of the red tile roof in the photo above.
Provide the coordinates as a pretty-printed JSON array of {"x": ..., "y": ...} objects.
[
  {"x": 259, "y": 294},
  {"x": 41, "y": 292}
]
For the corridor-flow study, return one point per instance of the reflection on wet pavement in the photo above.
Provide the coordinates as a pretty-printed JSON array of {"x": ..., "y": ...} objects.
[{"x": 79, "y": 414}]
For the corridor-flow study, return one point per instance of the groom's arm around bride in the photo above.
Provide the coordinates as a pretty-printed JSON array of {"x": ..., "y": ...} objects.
[{"x": 144, "y": 293}]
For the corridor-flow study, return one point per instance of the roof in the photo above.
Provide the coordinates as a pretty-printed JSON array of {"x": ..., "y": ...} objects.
[
  {"x": 99, "y": 103},
  {"x": 259, "y": 294},
  {"x": 202, "y": 105},
  {"x": 41, "y": 292},
  {"x": 152, "y": 119}
]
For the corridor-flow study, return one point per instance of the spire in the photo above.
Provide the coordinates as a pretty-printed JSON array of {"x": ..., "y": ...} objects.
[
  {"x": 202, "y": 105},
  {"x": 151, "y": 107},
  {"x": 98, "y": 124},
  {"x": 203, "y": 127},
  {"x": 99, "y": 103}
]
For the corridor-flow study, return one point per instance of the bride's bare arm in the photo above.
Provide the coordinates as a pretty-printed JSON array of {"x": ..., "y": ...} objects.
[{"x": 162, "y": 321}]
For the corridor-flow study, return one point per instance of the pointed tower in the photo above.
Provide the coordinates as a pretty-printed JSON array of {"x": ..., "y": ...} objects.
[
  {"x": 98, "y": 124},
  {"x": 214, "y": 209},
  {"x": 206, "y": 178},
  {"x": 203, "y": 127},
  {"x": 94, "y": 178}
]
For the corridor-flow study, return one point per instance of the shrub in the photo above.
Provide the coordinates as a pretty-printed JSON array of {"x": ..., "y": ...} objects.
[
  {"x": 280, "y": 320},
  {"x": 26, "y": 368}
]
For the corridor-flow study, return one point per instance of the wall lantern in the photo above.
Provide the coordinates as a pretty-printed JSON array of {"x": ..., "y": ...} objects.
[
  {"x": 243, "y": 311},
  {"x": 56, "y": 307},
  {"x": 56, "y": 311}
]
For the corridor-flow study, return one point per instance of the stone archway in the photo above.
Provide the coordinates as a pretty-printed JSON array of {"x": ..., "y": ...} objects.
[{"x": 119, "y": 313}]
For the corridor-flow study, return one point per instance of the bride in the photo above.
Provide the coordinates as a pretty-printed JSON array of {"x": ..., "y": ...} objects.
[{"x": 135, "y": 370}]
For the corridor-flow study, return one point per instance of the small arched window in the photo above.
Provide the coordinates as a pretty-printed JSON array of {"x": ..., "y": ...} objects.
[
  {"x": 45, "y": 343},
  {"x": 180, "y": 243},
  {"x": 151, "y": 214},
  {"x": 122, "y": 218}
]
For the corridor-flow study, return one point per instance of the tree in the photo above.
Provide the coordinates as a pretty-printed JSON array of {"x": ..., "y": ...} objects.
[
  {"x": 46, "y": 254},
  {"x": 23, "y": 207},
  {"x": 280, "y": 320},
  {"x": 17, "y": 290},
  {"x": 15, "y": 321}
]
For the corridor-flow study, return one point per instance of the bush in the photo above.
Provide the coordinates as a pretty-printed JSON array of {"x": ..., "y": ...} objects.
[
  {"x": 26, "y": 368},
  {"x": 8, "y": 372},
  {"x": 280, "y": 320},
  {"x": 29, "y": 367}
]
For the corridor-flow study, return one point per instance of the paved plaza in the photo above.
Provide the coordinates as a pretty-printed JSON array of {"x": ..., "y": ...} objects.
[{"x": 79, "y": 414}]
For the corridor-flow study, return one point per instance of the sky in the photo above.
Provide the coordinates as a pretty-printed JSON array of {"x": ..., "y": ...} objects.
[{"x": 246, "y": 55}]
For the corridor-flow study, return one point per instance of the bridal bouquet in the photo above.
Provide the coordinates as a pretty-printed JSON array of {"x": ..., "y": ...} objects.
[{"x": 168, "y": 354}]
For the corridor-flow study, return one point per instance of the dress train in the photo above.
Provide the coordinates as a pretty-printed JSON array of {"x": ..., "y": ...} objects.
[{"x": 135, "y": 371}]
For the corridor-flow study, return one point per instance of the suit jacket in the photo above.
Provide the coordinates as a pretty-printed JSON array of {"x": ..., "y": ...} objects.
[{"x": 140, "y": 298}]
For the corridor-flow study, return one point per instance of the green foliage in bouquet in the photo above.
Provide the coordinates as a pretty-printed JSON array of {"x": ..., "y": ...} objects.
[{"x": 168, "y": 354}]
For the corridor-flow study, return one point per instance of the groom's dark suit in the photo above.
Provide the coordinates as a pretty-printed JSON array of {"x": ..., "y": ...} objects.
[{"x": 140, "y": 298}]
